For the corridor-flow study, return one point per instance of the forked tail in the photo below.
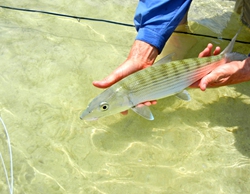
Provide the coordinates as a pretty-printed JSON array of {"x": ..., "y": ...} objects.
[{"x": 230, "y": 46}]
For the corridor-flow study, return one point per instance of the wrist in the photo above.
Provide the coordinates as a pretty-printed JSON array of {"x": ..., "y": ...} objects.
[
  {"x": 246, "y": 68},
  {"x": 243, "y": 71},
  {"x": 143, "y": 53}
]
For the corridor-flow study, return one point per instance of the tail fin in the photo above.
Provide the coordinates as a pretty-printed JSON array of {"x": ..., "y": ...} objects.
[
  {"x": 230, "y": 46},
  {"x": 235, "y": 57}
]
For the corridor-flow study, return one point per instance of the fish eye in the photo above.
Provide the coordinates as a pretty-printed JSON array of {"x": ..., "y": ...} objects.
[{"x": 104, "y": 106}]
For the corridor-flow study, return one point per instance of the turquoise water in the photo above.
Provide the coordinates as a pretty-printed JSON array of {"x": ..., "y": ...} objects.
[{"x": 48, "y": 64}]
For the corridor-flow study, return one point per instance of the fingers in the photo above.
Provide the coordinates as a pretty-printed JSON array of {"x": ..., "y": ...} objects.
[
  {"x": 207, "y": 51},
  {"x": 209, "y": 80},
  {"x": 149, "y": 103},
  {"x": 124, "y": 112},
  {"x": 203, "y": 85},
  {"x": 195, "y": 84},
  {"x": 122, "y": 71},
  {"x": 217, "y": 50}
]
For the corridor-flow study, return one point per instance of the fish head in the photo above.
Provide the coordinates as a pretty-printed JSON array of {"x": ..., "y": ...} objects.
[{"x": 107, "y": 103}]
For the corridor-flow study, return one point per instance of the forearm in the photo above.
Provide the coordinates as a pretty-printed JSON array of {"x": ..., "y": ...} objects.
[{"x": 156, "y": 20}]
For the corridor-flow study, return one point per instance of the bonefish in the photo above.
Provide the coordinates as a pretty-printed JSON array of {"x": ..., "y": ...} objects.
[{"x": 165, "y": 78}]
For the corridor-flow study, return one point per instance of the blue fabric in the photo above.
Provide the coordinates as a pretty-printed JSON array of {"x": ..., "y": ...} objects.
[{"x": 155, "y": 20}]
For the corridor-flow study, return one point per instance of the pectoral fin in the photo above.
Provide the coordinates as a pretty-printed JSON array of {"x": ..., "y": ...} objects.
[
  {"x": 144, "y": 111},
  {"x": 184, "y": 95}
]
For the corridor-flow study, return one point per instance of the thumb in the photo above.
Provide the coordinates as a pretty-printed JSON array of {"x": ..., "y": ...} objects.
[
  {"x": 114, "y": 77},
  {"x": 207, "y": 81},
  {"x": 107, "y": 82},
  {"x": 127, "y": 68}
]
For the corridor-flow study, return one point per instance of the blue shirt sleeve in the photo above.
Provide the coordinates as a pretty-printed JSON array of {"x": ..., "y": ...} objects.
[{"x": 155, "y": 20}]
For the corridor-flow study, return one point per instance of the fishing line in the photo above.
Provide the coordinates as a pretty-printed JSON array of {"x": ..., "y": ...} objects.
[
  {"x": 11, "y": 181},
  {"x": 68, "y": 16},
  {"x": 208, "y": 36},
  {"x": 108, "y": 21}
]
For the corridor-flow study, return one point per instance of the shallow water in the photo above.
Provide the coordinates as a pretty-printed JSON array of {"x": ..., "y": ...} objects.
[{"x": 47, "y": 66}]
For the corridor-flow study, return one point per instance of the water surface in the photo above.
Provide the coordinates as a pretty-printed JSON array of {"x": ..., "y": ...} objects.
[{"x": 47, "y": 67}]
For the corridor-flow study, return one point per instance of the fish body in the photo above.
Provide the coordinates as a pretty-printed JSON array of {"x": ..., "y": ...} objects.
[{"x": 158, "y": 81}]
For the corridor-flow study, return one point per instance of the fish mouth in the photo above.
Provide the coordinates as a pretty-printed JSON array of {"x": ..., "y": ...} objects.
[
  {"x": 91, "y": 119},
  {"x": 84, "y": 116}
]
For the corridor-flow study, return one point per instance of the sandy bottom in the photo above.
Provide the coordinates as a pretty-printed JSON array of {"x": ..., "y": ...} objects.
[{"x": 47, "y": 67}]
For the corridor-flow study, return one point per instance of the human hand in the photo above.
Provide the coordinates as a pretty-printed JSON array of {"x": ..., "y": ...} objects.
[
  {"x": 208, "y": 51},
  {"x": 142, "y": 55},
  {"x": 225, "y": 74}
]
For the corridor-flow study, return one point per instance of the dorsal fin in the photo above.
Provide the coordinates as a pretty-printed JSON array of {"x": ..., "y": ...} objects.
[{"x": 164, "y": 60}]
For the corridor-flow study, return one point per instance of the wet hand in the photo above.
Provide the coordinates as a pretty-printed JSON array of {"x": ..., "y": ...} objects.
[
  {"x": 229, "y": 73},
  {"x": 142, "y": 55},
  {"x": 208, "y": 51}
]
